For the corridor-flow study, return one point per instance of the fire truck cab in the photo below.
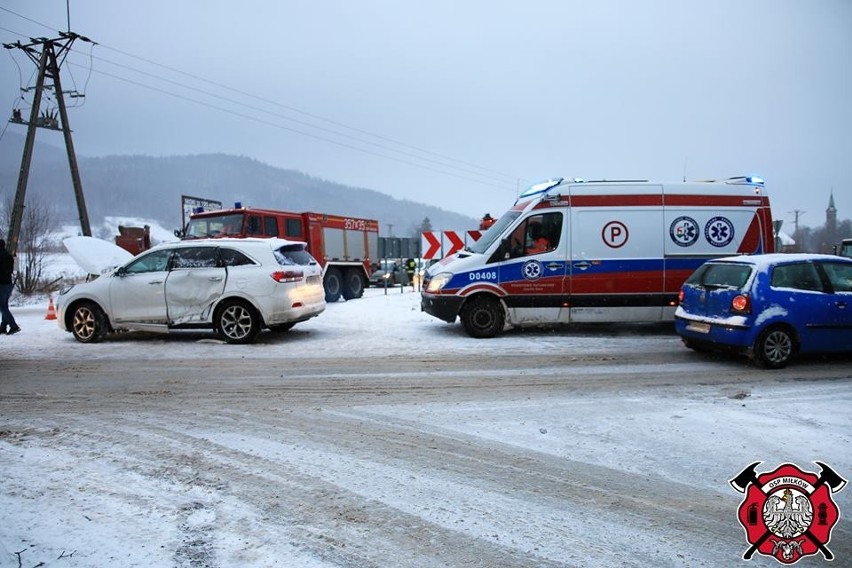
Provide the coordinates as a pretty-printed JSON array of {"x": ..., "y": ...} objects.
[
  {"x": 343, "y": 246},
  {"x": 596, "y": 251}
]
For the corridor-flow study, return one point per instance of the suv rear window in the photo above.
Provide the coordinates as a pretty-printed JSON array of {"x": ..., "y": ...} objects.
[
  {"x": 721, "y": 275},
  {"x": 289, "y": 255}
]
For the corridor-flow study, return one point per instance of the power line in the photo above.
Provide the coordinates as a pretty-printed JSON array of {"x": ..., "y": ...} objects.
[
  {"x": 305, "y": 113},
  {"x": 26, "y": 18},
  {"x": 268, "y": 113},
  {"x": 492, "y": 174},
  {"x": 266, "y": 122}
]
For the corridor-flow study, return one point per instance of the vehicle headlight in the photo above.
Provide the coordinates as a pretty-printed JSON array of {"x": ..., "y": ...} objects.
[{"x": 439, "y": 281}]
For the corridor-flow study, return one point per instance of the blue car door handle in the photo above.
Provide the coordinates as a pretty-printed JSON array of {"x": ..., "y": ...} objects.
[{"x": 840, "y": 304}]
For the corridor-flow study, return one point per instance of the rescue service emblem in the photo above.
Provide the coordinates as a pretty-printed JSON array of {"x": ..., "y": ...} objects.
[
  {"x": 788, "y": 513},
  {"x": 719, "y": 231},
  {"x": 532, "y": 270},
  {"x": 684, "y": 231}
]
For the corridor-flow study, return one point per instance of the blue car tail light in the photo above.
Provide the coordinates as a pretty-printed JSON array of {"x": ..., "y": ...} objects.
[{"x": 741, "y": 304}]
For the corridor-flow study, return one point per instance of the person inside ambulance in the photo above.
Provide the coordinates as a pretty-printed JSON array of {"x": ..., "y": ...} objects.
[
  {"x": 540, "y": 233},
  {"x": 537, "y": 241},
  {"x": 544, "y": 233}
]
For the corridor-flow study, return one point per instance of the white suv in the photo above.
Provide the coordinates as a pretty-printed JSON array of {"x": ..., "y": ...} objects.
[{"x": 233, "y": 286}]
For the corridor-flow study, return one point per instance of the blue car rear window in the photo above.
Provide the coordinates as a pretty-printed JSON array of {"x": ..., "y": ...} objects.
[{"x": 727, "y": 275}]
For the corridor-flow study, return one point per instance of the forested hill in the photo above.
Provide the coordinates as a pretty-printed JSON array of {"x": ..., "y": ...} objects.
[{"x": 151, "y": 187}]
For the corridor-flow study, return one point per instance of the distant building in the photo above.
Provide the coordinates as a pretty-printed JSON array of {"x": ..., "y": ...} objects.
[
  {"x": 785, "y": 243},
  {"x": 831, "y": 219}
]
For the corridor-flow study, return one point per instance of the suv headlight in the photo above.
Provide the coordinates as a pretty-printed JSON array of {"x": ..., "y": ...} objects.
[{"x": 439, "y": 281}]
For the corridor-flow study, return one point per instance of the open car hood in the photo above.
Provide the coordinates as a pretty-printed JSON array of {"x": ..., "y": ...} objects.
[{"x": 96, "y": 256}]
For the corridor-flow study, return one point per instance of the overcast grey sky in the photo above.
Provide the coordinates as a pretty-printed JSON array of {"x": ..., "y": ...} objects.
[{"x": 457, "y": 103}]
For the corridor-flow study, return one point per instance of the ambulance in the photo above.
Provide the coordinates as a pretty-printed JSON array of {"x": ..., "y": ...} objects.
[{"x": 596, "y": 251}]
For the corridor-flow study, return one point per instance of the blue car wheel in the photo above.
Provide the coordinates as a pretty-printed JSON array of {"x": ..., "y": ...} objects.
[{"x": 774, "y": 347}]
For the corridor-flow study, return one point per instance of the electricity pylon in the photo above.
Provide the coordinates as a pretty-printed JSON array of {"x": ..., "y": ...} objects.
[{"x": 48, "y": 55}]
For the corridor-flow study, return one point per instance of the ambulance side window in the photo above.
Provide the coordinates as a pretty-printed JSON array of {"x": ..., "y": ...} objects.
[{"x": 537, "y": 234}]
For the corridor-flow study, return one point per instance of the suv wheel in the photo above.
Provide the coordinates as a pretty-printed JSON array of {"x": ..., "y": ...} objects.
[
  {"x": 88, "y": 323},
  {"x": 774, "y": 348},
  {"x": 237, "y": 322}
]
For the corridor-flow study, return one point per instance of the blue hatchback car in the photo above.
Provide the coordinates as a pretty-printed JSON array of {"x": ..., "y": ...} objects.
[{"x": 769, "y": 307}]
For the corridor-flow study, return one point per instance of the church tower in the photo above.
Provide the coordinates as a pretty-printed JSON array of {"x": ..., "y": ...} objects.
[
  {"x": 831, "y": 215},
  {"x": 831, "y": 220}
]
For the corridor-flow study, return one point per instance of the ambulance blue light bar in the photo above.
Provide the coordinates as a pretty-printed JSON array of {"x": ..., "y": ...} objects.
[
  {"x": 752, "y": 180},
  {"x": 540, "y": 187}
]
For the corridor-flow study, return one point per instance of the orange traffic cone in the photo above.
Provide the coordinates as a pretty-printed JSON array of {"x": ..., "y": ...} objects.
[{"x": 51, "y": 310}]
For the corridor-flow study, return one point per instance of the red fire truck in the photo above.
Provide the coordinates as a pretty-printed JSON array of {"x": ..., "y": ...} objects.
[{"x": 344, "y": 246}]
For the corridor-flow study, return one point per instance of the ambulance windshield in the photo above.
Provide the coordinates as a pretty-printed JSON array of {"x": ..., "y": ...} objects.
[{"x": 493, "y": 233}]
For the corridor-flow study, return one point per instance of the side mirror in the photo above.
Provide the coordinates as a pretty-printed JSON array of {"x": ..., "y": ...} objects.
[
  {"x": 502, "y": 252},
  {"x": 179, "y": 233},
  {"x": 505, "y": 250}
]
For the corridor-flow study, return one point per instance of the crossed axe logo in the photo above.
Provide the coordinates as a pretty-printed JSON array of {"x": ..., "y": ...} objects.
[{"x": 827, "y": 477}]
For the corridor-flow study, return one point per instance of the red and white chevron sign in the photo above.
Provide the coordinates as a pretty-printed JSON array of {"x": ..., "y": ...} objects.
[{"x": 438, "y": 244}]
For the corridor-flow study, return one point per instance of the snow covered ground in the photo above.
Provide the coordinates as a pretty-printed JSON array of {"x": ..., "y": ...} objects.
[{"x": 58, "y": 501}]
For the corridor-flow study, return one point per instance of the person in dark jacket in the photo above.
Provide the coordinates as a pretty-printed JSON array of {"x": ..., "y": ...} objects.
[{"x": 7, "y": 263}]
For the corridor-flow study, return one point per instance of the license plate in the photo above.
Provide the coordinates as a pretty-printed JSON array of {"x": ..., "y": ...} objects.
[{"x": 698, "y": 327}]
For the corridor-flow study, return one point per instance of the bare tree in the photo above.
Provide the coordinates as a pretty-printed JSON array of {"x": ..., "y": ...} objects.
[{"x": 34, "y": 242}]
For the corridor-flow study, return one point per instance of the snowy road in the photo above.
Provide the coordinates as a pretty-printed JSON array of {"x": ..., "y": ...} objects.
[{"x": 376, "y": 436}]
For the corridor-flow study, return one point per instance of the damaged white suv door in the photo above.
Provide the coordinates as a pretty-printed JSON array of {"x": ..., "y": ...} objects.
[{"x": 195, "y": 282}]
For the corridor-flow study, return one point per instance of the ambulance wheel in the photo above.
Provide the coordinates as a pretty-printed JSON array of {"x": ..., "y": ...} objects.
[
  {"x": 774, "y": 348},
  {"x": 353, "y": 285},
  {"x": 483, "y": 317},
  {"x": 333, "y": 283}
]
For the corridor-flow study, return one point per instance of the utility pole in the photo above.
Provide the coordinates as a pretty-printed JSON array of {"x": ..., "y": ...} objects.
[
  {"x": 48, "y": 55},
  {"x": 796, "y": 214}
]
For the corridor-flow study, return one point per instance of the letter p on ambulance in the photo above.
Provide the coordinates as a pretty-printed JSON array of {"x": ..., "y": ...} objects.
[{"x": 615, "y": 234}]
